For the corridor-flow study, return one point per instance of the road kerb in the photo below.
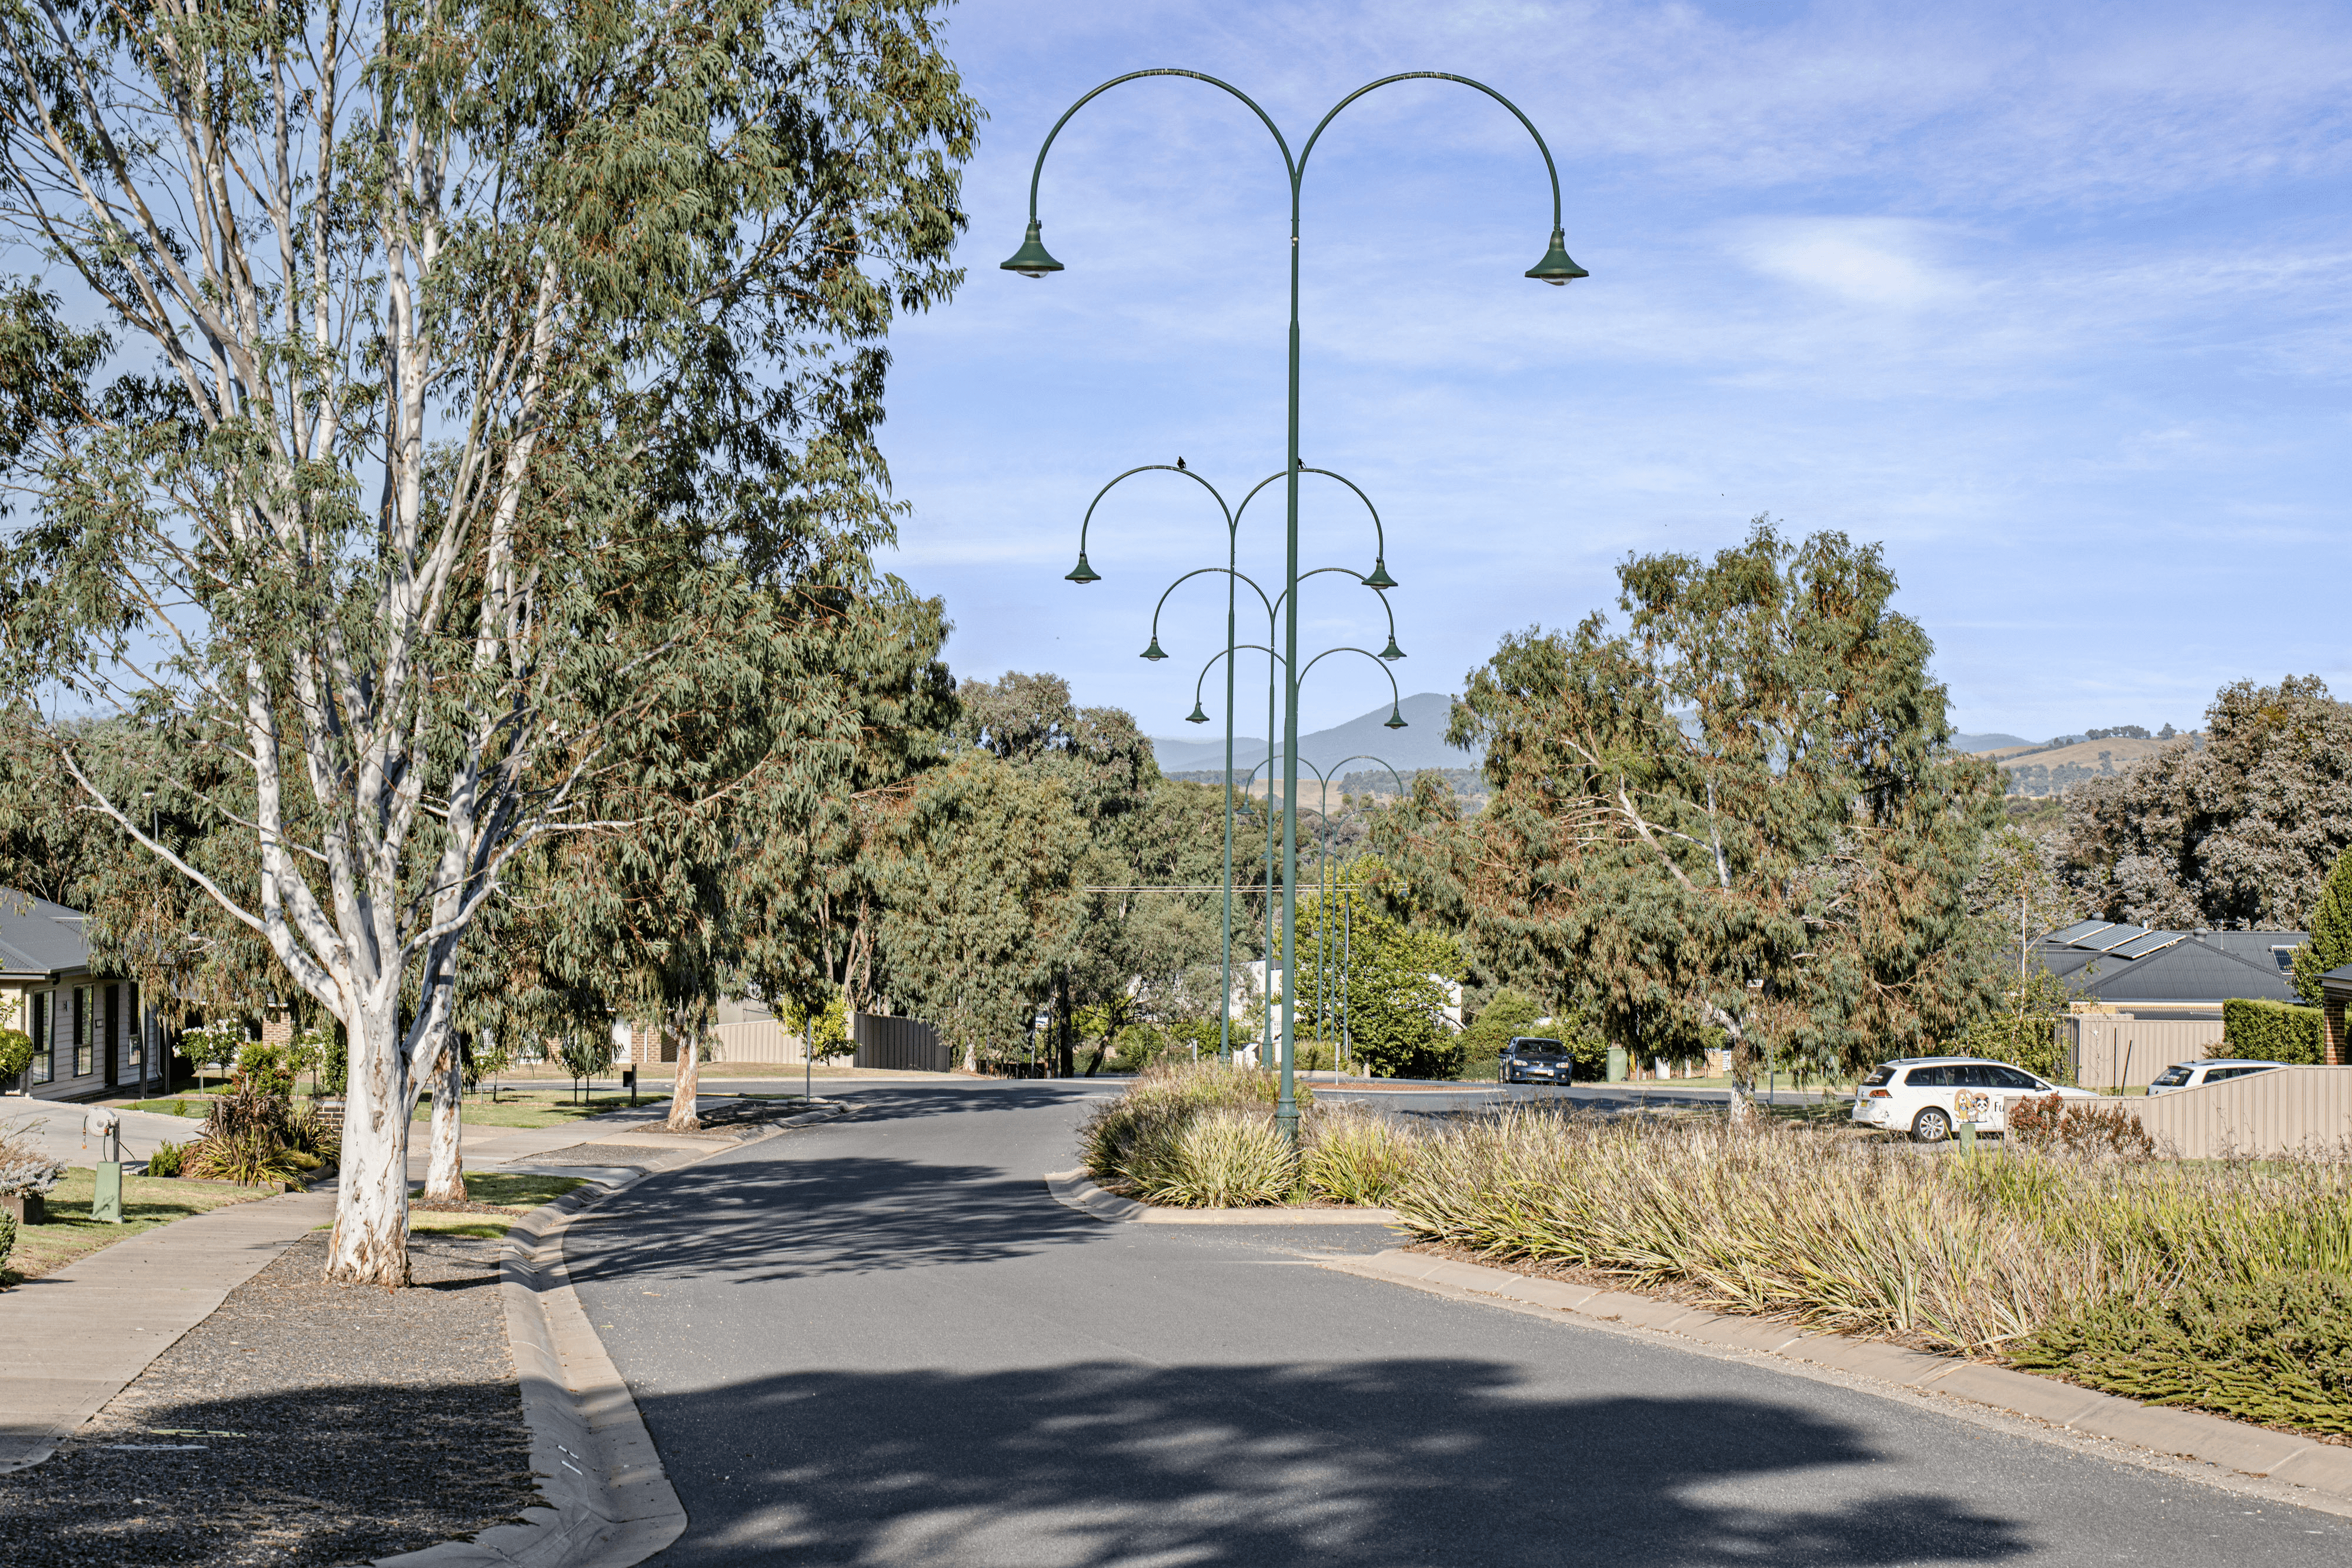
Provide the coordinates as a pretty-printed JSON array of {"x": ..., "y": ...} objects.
[
  {"x": 1074, "y": 1190},
  {"x": 2184, "y": 1434},
  {"x": 609, "y": 1501}
]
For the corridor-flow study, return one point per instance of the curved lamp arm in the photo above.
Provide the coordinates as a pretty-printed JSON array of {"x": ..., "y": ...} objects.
[
  {"x": 1392, "y": 651},
  {"x": 1379, "y": 578},
  {"x": 1396, "y": 720},
  {"x": 1082, "y": 573},
  {"x": 1033, "y": 261},
  {"x": 1153, "y": 652}
]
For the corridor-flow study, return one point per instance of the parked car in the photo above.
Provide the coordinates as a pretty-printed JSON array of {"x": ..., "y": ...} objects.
[
  {"x": 1928, "y": 1096},
  {"x": 1530, "y": 1059},
  {"x": 2190, "y": 1074}
]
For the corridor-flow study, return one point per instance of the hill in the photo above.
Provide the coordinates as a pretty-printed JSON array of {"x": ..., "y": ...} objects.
[{"x": 1421, "y": 744}]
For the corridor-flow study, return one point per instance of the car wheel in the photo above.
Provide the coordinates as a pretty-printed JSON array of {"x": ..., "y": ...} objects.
[{"x": 1930, "y": 1127}]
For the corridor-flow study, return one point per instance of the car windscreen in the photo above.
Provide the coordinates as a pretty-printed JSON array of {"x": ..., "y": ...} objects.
[
  {"x": 2173, "y": 1077},
  {"x": 1538, "y": 1048},
  {"x": 1877, "y": 1078}
]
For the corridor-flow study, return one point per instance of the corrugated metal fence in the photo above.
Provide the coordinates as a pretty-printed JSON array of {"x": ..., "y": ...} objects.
[
  {"x": 2129, "y": 1053},
  {"x": 2292, "y": 1110},
  {"x": 903, "y": 1045},
  {"x": 755, "y": 1039}
]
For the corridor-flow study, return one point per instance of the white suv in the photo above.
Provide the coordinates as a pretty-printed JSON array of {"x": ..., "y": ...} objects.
[
  {"x": 2190, "y": 1074},
  {"x": 1928, "y": 1096}
]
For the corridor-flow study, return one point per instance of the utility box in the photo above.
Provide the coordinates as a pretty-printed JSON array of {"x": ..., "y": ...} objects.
[
  {"x": 106, "y": 1203},
  {"x": 1616, "y": 1064}
]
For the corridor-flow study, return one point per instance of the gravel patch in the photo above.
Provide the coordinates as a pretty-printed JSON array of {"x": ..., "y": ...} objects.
[
  {"x": 331, "y": 1425},
  {"x": 644, "y": 1159}
]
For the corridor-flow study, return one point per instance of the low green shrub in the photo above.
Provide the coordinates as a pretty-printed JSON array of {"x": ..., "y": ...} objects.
[
  {"x": 15, "y": 1051},
  {"x": 168, "y": 1160},
  {"x": 1225, "y": 1158},
  {"x": 7, "y": 1236},
  {"x": 2277, "y": 1350},
  {"x": 1353, "y": 1153},
  {"x": 2270, "y": 1031}
]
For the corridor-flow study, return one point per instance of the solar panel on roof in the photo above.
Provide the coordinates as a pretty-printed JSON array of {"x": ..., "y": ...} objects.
[
  {"x": 2112, "y": 938},
  {"x": 2079, "y": 930},
  {"x": 2141, "y": 946}
]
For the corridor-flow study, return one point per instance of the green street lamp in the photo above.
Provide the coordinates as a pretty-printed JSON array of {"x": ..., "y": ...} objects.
[
  {"x": 1322, "y": 905},
  {"x": 1033, "y": 261},
  {"x": 1289, "y": 806},
  {"x": 1233, "y": 516}
]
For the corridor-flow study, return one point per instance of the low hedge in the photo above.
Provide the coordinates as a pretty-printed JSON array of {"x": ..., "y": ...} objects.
[
  {"x": 2270, "y": 1031},
  {"x": 2276, "y": 1349}
]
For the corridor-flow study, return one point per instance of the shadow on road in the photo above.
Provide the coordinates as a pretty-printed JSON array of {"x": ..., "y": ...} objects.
[
  {"x": 780, "y": 1220},
  {"x": 1404, "y": 1461}
]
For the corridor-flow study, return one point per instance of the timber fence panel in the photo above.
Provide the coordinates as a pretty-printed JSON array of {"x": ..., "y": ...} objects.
[{"x": 2288, "y": 1110}]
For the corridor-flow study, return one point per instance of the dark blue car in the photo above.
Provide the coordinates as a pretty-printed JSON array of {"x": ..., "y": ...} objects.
[{"x": 1529, "y": 1059}]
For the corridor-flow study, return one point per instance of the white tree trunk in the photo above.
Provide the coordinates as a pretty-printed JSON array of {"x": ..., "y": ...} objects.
[
  {"x": 445, "y": 1172},
  {"x": 687, "y": 1082},
  {"x": 370, "y": 1244}
]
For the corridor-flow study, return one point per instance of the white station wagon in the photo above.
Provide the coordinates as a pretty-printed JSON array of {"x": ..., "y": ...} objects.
[
  {"x": 1928, "y": 1096},
  {"x": 2190, "y": 1074}
]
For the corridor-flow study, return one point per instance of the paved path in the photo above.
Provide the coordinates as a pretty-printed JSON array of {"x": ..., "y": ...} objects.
[
  {"x": 54, "y": 1128},
  {"x": 70, "y": 1341},
  {"x": 879, "y": 1342}
]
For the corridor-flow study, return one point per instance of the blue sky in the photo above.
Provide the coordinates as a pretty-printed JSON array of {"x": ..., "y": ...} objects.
[{"x": 2053, "y": 300}]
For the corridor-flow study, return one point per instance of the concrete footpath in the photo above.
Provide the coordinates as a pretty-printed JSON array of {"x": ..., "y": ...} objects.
[{"x": 71, "y": 1340}]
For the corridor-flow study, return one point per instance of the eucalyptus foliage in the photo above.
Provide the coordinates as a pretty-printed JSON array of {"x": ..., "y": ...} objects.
[
  {"x": 404, "y": 393},
  {"x": 1734, "y": 819}
]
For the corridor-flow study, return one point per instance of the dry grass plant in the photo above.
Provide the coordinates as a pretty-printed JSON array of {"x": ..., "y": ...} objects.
[
  {"x": 1135, "y": 1143},
  {"x": 1862, "y": 1236},
  {"x": 1354, "y": 1153},
  {"x": 1225, "y": 1158}
]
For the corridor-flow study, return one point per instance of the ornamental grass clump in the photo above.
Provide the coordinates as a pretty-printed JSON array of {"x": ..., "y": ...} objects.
[
  {"x": 1865, "y": 1238},
  {"x": 1224, "y": 1157},
  {"x": 1135, "y": 1143},
  {"x": 1353, "y": 1153}
]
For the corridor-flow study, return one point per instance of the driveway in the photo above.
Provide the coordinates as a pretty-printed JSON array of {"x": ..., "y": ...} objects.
[{"x": 878, "y": 1341}]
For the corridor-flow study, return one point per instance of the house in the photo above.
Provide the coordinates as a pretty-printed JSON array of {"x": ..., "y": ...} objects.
[
  {"x": 90, "y": 1036},
  {"x": 2178, "y": 975}
]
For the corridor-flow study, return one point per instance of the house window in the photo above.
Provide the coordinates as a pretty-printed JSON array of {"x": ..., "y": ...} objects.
[
  {"x": 134, "y": 1038},
  {"x": 43, "y": 1053},
  {"x": 85, "y": 1059}
]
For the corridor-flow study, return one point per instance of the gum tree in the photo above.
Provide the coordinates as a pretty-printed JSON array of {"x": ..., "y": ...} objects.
[
  {"x": 382, "y": 357},
  {"x": 1732, "y": 822}
]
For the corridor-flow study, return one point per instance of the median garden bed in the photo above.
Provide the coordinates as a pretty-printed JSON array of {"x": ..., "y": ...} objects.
[{"x": 2219, "y": 1286}]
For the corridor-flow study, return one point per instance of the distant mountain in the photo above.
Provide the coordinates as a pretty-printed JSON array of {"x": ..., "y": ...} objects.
[
  {"x": 1421, "y": 744},
  {"x": 1994, "y": 742}
]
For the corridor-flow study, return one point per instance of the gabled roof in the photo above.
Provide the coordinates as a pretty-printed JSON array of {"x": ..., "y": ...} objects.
[
  {"x": 40, "y": 939},
  {"x": 2121, "y": 962}
]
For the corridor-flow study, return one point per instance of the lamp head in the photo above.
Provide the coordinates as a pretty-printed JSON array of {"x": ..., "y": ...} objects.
[
  {"x": 1153, "y": 653},
  {"x": 1032, "y": 261},
  {"x": 1394, "y": 721},
  {"x": 1393, "y": 651},
  {"x": 1082, "y": 573},
  {"x": 1555, "y": 268},
  {"x": 1380, "y": 577},
  {"x": 1197, "y": 716}
]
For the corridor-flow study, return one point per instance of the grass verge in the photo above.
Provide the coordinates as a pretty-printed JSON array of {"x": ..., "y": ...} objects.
[{"x": 72, "y": 1233}]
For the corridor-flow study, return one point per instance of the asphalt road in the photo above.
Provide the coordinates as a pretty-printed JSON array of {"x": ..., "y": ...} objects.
[{"x": 877, "y": 1341}]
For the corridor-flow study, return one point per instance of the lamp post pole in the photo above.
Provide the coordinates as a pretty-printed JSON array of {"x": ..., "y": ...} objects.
[{"x": 1032, "y": 260}]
